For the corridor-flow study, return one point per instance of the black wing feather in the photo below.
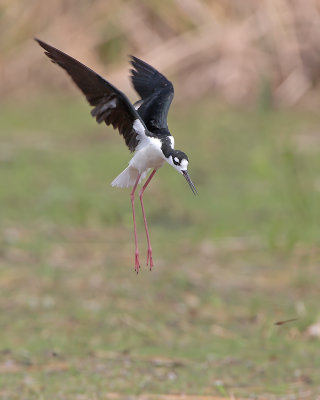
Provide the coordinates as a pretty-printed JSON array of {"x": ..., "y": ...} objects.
[
  {"x": 156, "y": 93},
  {"x": 111, "y": 105}
]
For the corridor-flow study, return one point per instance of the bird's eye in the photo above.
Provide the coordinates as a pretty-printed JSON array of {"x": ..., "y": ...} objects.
[{"x": 176, "y": 160}]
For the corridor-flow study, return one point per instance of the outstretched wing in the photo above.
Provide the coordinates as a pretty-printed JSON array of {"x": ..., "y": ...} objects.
[
  {"x": 110, "y": 104},
  {"x": 156, "y": 94}
]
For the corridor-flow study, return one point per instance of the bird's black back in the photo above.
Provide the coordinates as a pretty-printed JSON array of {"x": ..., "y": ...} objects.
[{"x": 156, "y": 94}]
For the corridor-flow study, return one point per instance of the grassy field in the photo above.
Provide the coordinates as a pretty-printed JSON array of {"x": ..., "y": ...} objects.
[{"x": 78, "y": 323}]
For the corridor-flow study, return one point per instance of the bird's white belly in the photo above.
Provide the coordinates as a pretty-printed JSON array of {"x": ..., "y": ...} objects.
[{"x": 149, "y": 156}]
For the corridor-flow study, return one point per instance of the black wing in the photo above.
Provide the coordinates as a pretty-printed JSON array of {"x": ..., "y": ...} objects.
[
  {"x": 156, "y": 94},
  {"x": 111, "y": 105}
]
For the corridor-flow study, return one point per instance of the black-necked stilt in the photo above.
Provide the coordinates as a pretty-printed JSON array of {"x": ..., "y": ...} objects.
[{"x": 143, "y": 125}]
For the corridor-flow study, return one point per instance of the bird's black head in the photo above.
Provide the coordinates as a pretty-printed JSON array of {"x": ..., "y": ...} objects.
[{"x": 179, "y": 160}]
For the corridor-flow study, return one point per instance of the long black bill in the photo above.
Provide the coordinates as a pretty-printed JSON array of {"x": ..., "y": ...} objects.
[{"x": 192, "y": 187}]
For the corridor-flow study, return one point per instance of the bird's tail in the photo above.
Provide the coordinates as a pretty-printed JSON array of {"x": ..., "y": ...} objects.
[{"x": 128, "y": 178}]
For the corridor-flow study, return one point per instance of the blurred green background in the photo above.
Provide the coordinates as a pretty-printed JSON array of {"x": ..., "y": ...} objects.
[{"x": 76, "y": 321}]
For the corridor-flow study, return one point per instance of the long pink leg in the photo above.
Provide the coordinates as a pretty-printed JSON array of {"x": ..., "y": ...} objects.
[
  {"x": 149, "y": 256},
  {"x": 137, "y": 263}
]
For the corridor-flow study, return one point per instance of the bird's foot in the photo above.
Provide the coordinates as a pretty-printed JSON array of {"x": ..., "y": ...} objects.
[
  {"x": 149, "y": 259},
  {"x": 137, "y": 263}
]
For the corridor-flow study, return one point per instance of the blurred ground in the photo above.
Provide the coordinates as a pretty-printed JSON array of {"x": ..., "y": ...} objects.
[{"x": 77, "y": 322}]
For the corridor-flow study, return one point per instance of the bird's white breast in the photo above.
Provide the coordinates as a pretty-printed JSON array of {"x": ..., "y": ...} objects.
[{"x": 148, "y": 155}]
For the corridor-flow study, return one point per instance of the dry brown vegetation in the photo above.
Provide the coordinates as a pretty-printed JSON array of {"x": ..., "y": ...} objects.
[{"x": 238, "y": 49}]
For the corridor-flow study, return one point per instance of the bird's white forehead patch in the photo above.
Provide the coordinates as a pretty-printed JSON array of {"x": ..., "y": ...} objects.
[
  {"x": 184, "y": 164},
  {"x": 138, "y": 127},
  {"x": 176, "y": 159}
]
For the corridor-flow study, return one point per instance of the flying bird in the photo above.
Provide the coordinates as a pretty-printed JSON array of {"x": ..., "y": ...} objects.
[{"x": 143, "y": 124}]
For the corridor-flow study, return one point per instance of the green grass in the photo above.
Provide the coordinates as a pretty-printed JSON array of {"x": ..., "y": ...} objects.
[{"x": 76, "y": 322}]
